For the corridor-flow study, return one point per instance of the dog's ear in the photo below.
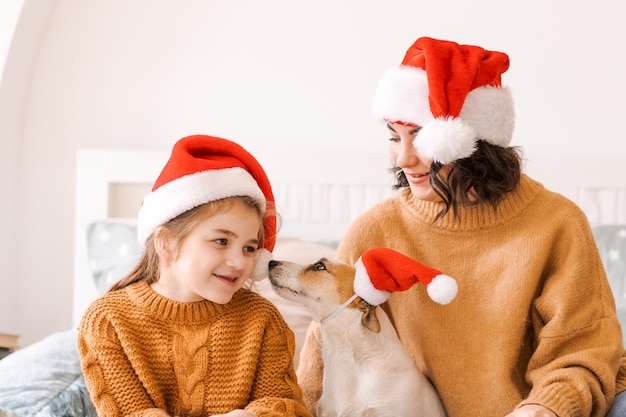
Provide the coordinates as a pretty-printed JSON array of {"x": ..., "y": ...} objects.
[{"x": 369, "y": 318}]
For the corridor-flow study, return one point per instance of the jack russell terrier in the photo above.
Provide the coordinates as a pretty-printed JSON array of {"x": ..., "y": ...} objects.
[{"x": 367, "y": 372}]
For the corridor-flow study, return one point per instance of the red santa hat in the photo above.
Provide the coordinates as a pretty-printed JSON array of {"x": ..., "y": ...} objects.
[
  {"x": 202, "y": 169},
  {"x": 453, "y": 92},
  {"x": 382, "y": 271}
]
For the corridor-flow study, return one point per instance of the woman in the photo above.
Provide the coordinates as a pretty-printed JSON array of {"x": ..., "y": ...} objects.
[{"x": 533, "y": 329}]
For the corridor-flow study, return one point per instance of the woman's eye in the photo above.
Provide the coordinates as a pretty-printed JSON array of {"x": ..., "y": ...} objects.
[
  {"x": 319, "y": 266},
  {"x": 394, "y": 139},
  {"x": 222, "y": 242}
]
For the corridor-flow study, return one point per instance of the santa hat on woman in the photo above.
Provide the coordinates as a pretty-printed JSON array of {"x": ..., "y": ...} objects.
[
  {"x": 453, "y": 92},
  {"x": 382, "y": 271},
  {"x": 202, "y": 169}
]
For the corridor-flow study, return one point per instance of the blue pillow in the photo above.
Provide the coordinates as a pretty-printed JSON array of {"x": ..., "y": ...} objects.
[
  {"x": 611, "y": 241},
  {"x": 45, "y": 379}
]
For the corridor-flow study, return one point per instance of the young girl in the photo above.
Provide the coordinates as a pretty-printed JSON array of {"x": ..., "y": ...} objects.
[
  {"x": 180, "y": 335},
  {"x": 532, "y": 331}
]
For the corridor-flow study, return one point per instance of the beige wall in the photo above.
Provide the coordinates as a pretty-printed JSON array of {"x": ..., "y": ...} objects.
[{"x": 277, "y": 74}]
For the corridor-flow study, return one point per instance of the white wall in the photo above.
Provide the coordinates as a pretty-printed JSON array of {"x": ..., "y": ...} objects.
[
  {"x": 20, "y": 49},
  {"x": 277, "y": 74},
  {"x": 9, "y": 15}
]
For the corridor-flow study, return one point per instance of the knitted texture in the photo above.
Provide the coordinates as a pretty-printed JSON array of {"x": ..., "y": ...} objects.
[
  {"x": 143, "y": 354},
  {"x": 534, "y": 319}
]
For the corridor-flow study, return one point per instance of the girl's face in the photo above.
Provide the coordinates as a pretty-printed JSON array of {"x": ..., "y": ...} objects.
[
  {"x": 214, "y": 260},
  {"x": 415, "y": 166}
]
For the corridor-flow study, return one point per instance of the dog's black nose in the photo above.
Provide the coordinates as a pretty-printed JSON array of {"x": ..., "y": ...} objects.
[{"x": 272, "y": 264}]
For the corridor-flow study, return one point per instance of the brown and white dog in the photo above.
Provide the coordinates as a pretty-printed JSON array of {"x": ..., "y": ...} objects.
[{"x": 366, "y": 370}]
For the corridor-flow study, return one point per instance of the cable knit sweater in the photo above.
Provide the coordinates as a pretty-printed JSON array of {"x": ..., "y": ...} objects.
[
  {"x": 534, "y": 320},
  {"x": 145, "y": 355}
]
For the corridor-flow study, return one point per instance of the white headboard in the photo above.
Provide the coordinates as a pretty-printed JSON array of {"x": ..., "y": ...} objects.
[{"x": 317, "y": 194}]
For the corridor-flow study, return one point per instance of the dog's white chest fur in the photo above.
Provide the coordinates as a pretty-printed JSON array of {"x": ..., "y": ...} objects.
[{"x": 370, "y": 374}]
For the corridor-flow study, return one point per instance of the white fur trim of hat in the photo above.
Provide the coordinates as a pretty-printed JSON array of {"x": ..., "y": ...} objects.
[{"x": 185, "y": 193}]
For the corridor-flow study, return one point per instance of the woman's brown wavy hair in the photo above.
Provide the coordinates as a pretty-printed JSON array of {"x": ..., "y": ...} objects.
[{"x": 486, "y": 176}]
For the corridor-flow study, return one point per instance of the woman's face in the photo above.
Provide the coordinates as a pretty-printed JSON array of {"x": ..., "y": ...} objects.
[{"x": 415, "y": 166}]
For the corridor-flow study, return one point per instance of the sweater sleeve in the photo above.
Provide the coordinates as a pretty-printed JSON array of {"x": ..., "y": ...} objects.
[
  {"x": 106, "y": 368},
  {"x": 578, "y": 348},
  {"x": 620, "y": 384},
  {"x": 276, "y": 392}
]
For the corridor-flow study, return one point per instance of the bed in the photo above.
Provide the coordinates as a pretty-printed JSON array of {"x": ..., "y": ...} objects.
[{"x": 317, "y": 195}]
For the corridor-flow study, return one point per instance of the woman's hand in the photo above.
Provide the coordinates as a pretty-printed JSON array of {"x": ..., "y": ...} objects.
[{"x": 532, "y": 410}]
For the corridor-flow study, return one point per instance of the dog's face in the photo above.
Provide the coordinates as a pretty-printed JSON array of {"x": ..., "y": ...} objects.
[{"x": 321, "y": 286}]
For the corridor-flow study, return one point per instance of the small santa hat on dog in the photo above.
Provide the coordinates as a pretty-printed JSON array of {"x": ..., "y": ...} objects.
[
  {"x": 453, "y": 92},
  {"x": 382, "y": 271},
  {"x": 201, "y": 169}
]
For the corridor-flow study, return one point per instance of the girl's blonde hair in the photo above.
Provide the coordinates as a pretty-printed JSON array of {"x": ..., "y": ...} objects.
[{"x": 147, "y": 269}]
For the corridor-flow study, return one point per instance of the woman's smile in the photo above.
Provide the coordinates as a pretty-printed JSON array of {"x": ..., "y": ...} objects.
[{"x": 417, "y": 178}]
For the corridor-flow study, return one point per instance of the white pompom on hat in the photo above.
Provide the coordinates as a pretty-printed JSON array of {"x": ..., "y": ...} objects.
[
  {"x": 201, "y": 169},
  {"x": 382, "y": 271},
  {"x": 453, "y": 92}
]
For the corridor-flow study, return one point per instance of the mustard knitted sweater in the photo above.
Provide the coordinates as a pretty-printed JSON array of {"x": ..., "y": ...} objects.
[
  {"x": 145, "y": 355},
  {"x": 534, "y": 320}
]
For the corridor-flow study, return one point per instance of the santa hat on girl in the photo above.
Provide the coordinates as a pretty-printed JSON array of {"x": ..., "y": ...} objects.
[
  {"x": 381, "y": 271},
  {"x": 453, "y": 92},
  {"x": 202, "y": 169}
]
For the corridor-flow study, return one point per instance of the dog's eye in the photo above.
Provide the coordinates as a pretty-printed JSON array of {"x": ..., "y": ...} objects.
[{"x": 319, "y": 266}]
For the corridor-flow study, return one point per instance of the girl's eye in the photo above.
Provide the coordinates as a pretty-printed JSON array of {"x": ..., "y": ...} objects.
[
  {"x": 394, "y": 139},
  {"x": 221, "y": 242},
  {"x": 250, "y": 249},
  {"x": 319, "y": 266}
]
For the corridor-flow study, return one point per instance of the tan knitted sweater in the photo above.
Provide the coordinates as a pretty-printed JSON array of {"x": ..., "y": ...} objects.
[
  {"x": 143, "y": 354},
  {"x": 534, "y": 319}
]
